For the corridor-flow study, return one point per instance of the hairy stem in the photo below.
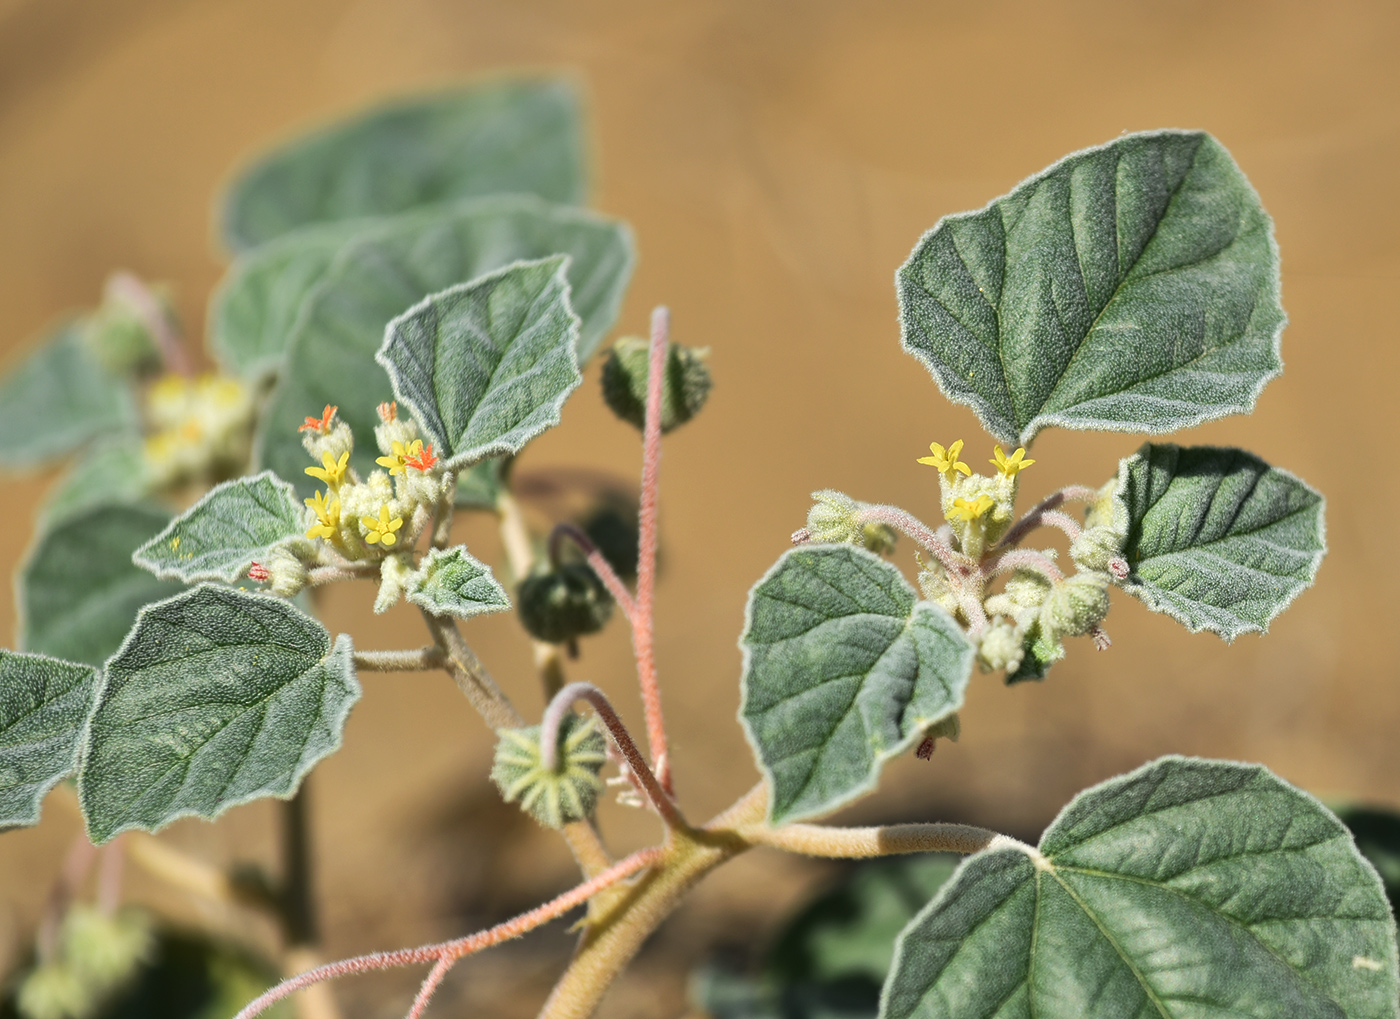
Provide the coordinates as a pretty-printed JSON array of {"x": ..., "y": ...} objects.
[
  {"x": 1034, "y": 516},
  {"x": 130, "y": 290},
  {"x": 549, "y": 740},
  {"x": 471, "y": 676},
  {"x": 643, "y": 625},
  {"x": 861, "y": 843},
  {"x": 1025, "y": 559},
  {"x": 907, "y": 524},
  {"x": 600, "y": 566},
  {"x": 412, "y": 660}
]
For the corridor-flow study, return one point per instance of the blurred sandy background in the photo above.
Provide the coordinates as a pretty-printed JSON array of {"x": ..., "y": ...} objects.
[{"x": 777, "y": 161}]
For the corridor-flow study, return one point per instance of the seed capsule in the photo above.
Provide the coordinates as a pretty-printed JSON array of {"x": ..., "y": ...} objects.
[{"x": 555, "y": 797}]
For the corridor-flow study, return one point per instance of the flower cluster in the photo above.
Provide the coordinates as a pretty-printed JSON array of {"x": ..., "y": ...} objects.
[
  {"x": 200, "y": 429},
  {"x": 978, "y": 508}
]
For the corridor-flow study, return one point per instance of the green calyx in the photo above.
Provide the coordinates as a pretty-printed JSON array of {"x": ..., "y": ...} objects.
[
  {"x": 554, "y": 797},
  {"x": 564, "y": 603},
  {"x": 835, "y": 519},
  {"x": 684, "y": 390}
]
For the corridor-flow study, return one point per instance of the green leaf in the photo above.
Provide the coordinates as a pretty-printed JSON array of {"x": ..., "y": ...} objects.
[
  {"x": 452, "y": 582},
  {"x": 486, "y": 366},
  {"x": 1187, "y": 888},
  {"x": 1131, "y": 287},
  {"x": 843, "y": 670},
  {"x": 330, "y": 355},
  {"x": 218, "y": 697},
  {"x": 109, "y": 471},
  {"x": 1218, "y": 539},
  {"x": 1377, "y": 834},
  {"x": 44, "y": 704},
  {"x": 234, "y": 523},
  {"x": 57, "y": 399},
  {"x": 516, "y": 136},
  {"x": 479, "y": 486},
  {"x": 79, "y": 591}
]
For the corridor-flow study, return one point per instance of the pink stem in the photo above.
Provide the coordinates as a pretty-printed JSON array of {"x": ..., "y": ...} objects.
[
  {"x": 430, "y": 984},
  {"x": 126, "y": 287},
  {"x": 109, "y": 876},
  {"x": 1034, "y": 515},
  {"x": 459, "y": 947},
  {"x": 597, "y": 563},
  {"x": 1064, "y": 522},
  {"x": 643, "y": 636},
  {"x": 1026, "y": 559},
  {"x": 549, "y": 742},
  {"x": 955, "y": 563}
]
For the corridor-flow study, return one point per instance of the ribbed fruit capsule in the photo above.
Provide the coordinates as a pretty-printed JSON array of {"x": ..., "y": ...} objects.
[{"x": 559, "y": 796}]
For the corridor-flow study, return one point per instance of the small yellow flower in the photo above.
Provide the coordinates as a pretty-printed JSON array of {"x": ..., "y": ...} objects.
[
  {"x": 946, "y": 460},
  {"x": 401, "y": 456},
  {"x": 332, "y": 471},
  {"x": 969, "y": 511},
  {"x": 381, "y": 531},
  {"x": 1011, "y": 465},
  {"x": 327, "y": 516}
]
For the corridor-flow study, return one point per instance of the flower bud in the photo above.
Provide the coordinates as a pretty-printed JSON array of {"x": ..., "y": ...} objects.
[
  {"x": 1042, "y": 650},
  {"x": 395, "y": 429},
  {"x": 1105, "y": 532},
  {"x": 934, "y": 585},
  {"x": 396, "y": 575},
  {"x": 336, "y": 440},
  {"x": 286, "y": 573},
  {"x": 559, "y": 796},
  {"x": 564, "y": 603},
  {"x": 683, "y": 391},
  {"x": 1075, "y": 605},
  {"x": 833, "y": 518},
  {"x": 1002, "y": 646}
]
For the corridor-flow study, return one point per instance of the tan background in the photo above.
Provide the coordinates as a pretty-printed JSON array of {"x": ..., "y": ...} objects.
[{"x": 777, "y": 161}]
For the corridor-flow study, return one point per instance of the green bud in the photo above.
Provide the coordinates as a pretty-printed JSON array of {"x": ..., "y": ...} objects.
[
  {"x": 1002, "y": 646},
  {"x": 396, "y": 575},
  {"x": 54, "y": 990},
  {"x": 833, "y": 519},
  {"x": 555, "y": 797},
  {"x": 613, "y": 528},
  {"x": 1027, "y": 589},
  {"x": 934, "y": 586},
  {"x": 562, "y": 604},
  {"x": 286, "y": 573},
  {"x": 106, "y": 950},
  {"x": 683, "y": 393},
  {"x": 1105, "y": 531},
  {"x": 1075, "y": 605},
  {"x": 1042, "y": 650}
]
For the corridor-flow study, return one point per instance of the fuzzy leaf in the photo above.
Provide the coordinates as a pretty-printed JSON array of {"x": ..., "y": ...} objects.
[
  {"x": 44, "y": 704},
  {"x": 479, "y": 486},
  {"x": 330, "y": 355},
  {"x": 486, "y": 366},
  {"x": 218, "y": 697},
  {"x": 452, "y": 582},
  {"x": 843, "y": 669},
  {"x": 57, "y": 399},
  {"x": 232, "y": 525},
  {"x": 79, "y": 591},
  {"x": 1187, "y": 888},
  {"x": 1131, "y": 287},
  {"x": 109, "y": 471},
  {"x": 1217, "y": 538},
  {"x": 520, "y": 136}
]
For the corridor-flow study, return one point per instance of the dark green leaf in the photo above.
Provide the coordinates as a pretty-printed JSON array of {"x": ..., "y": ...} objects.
[
  {"x": 79, "y": 591},
  {"x": 1187, "y": 888},
  {"x": 232, "y": 525},
  {"x": 486, "y": 366},
  {"x": 843, "y": 669},
  {"x": 44, "y": 704},
  {"x": 512, "y": 136},
  {"x": 1217, "y": 538},
  {"x": 1131, "y": 287},
  {"x": 452, "y": 582},
  {"x": 218, "y": 697}
]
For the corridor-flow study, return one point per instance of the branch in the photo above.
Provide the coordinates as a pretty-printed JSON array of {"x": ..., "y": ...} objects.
[
  {"x": 1026, "y": 559},
  {"x": 862, "y": 843},
  {"x": 597, "y": 563},
  {"x": 451, "y": 951},
  {"x": 126, "y": 287},
  {"x": 471, "y": 676},
  {"x": 549, "y": 742},
  {"x": 906, "y": 523},
  {"x": 1034, "y": 515},
  {"x": 412, "y": 660},
  {"x": 643, "y": 630}
]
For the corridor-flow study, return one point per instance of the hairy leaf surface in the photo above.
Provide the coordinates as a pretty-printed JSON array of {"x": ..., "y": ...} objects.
[
  {"x": 111, "y": 470},
  {"x": 218, "y": 697},
  {"x": 79, "y": 591},
  {"x": 57, "y": 399},
  {"x": 453, "y": 582},
  {"x": 1130, "y": 287},
  {"x": 843, "y": 669},
  {"x": 44, "y": 704},
  {"x": 513, "y": 136},
  {"x": 1187, "y": 888},
  {"x": 486, "y": 366},
  {"x": 234, "y": 523},
  {"x": 330, "y": 356},
  {"x": 1217, "y": 538}
]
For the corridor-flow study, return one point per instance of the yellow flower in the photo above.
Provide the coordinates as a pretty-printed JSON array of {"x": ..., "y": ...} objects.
[
  {"x": 946, "y": 460},
  {"x": 1011, "y": 465},
  {"x": 332, "y": 473},
  {"x": 327, "y": 516},
  {"x": 381, "y": 531},
  {"x": 396, "y": 461},
  {"x": 969, "y": 511}
]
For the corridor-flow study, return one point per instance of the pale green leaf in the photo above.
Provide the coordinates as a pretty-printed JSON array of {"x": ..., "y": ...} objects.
[
  {"x": 486, "y": 366},
  {"x": 110, "y": 470},
  {"x": 508, "y": 136},
  {"x": 1183, "y": 890},
  {"x": 479, "y": 486},
  {"x": 1131, "y": 287},
  {"x": 44, "y": 704},
  {"x": 79, "y": 591},
  {"x": 216, "y": 698},
  {"x": 330, "y": 355},
  {"x": 454, "y": 583},
  {"x": 843, "y": 669},
  {"x": 234, "y": 524},
  {"x": 58, "y": 398},
  {"x": 1217, "y": 538}
]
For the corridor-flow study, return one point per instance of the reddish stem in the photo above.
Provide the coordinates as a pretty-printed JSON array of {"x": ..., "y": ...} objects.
[
  {"x": 430, "y": 985},
  {"x": 126, "y": 287},
  {"x": 597, "y": 563},
  {"x": 906, "y": 523},
  {"x": 1026, "y": 559},
  {"x": 643, "y": 634},
  {"x": 1034, "y": 516},
  {"x": 460, "y": 947}
]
